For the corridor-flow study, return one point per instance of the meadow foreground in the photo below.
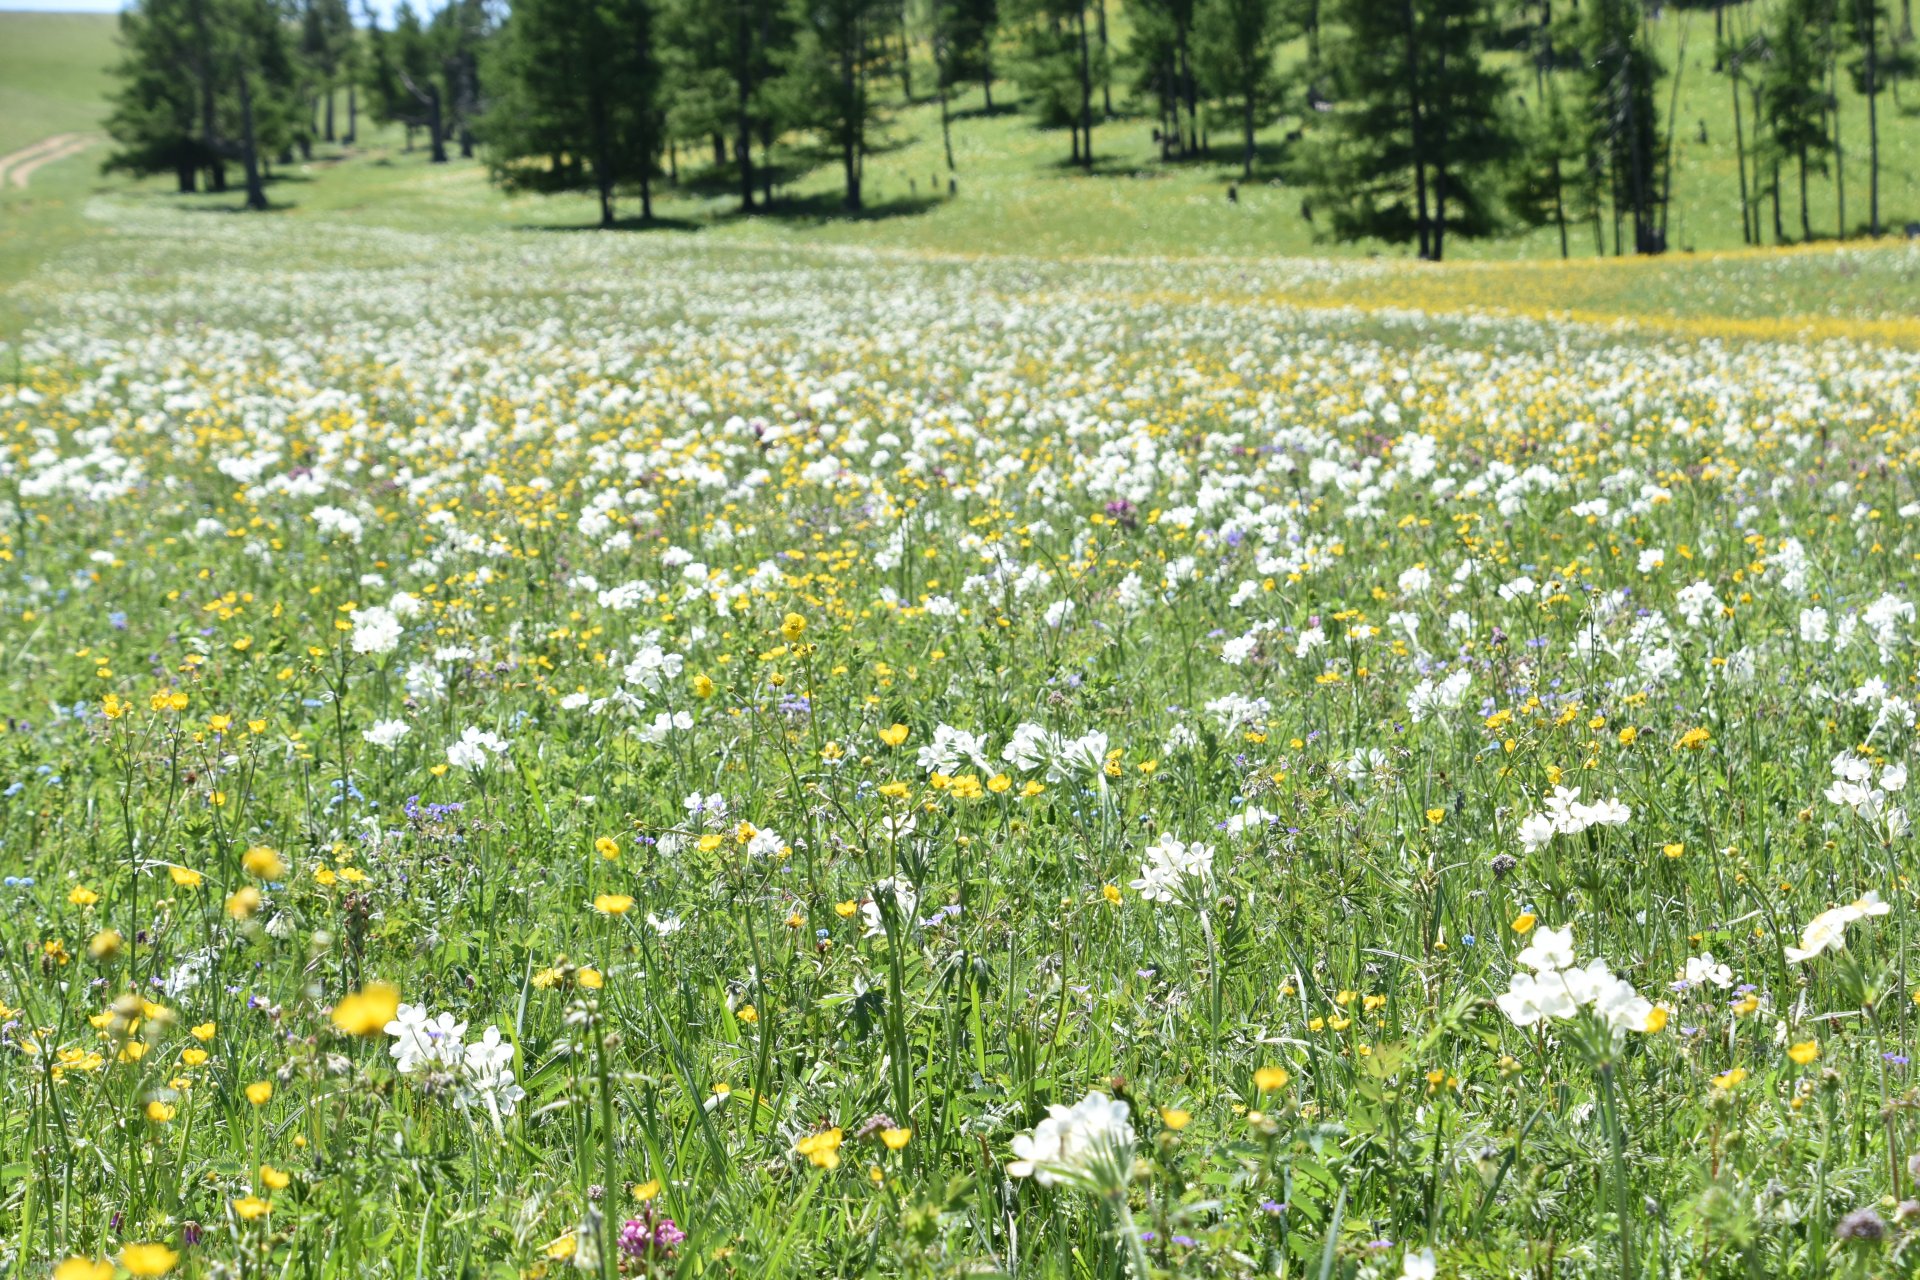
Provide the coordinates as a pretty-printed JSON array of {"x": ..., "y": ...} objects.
[{"x": 532, "y": 754}]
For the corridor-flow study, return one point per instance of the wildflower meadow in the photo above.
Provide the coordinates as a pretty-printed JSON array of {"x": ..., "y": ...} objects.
[{"x": 530, "y": 755}]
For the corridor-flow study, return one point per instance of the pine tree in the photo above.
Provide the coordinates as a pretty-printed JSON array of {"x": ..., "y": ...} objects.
[
  {"x": 416, "y": 101},
  {"x": 968, "y": 29},
  {"x": 725, "y": 62},
  {"x": 1163, "y": 56},
  {"x": 1794, "y": 96},
  {"x": 1619, "y": 105},
  {"x": 457, "y": 34},
  {"x": 1059, "y": 69},
  {"x": 1420, "y": 137},
  {"x": 1867, "y": 26},
  {"x": 204, "y": 83},
  {"x": 155, "y": 116},
  {"x": 326, "y": 43},
  {"x": 1552, "y": 183},
  {"x": 578, "y": 78},
  {"x": 842, "y": 50},
  {"x": 1235, "y": 45}
]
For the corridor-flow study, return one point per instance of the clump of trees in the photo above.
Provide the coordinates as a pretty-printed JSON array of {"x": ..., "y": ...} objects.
[{"x": 1414, "y": 121}]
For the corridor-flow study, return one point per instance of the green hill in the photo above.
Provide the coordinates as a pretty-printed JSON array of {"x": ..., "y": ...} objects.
[{"x": 53, "y": 74}]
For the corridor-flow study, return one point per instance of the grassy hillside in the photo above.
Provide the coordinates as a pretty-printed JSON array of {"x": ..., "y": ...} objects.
[
  {"x": 53, "y": 74},
  {"x": 53, "y": 80}
]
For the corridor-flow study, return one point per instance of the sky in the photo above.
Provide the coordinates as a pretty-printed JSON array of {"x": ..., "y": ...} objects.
[{"x": 385, "y": 7}]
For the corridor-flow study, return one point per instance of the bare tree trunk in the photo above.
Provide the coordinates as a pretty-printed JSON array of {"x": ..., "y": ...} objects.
[
  {"x": 353, "y": 114},
  {"x": 327, "y": 133}
]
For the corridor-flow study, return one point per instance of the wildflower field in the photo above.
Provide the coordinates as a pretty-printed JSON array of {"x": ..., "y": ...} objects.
[{"x": 531, "y": 755}]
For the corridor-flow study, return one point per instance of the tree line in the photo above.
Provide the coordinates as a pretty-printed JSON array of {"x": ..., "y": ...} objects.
[{"x": 1416, "y": 121}]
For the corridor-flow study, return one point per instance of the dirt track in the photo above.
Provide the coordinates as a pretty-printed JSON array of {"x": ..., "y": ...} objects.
[{"x": 19, "y": 167}]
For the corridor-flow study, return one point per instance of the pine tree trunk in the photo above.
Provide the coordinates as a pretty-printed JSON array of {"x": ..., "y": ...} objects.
[
  {"x": 186, "y": 176},
  {"x": 946, "y": 121},
  {"x": 1779, "y": 231},
  {"x": 1413, "y": 126},
  {"x": 1559, "y": 207},
  {"x": 1188, "y": 91},
  {"x": 1439, "y": 145},
  {"x": 1873, "y": 120},
  {"x": 1106, "y": 81},
  {"x": 250, "y": 151},
  {"x": 327, "y": 133},
  {"x": 849, "y": 140},
  {"x": 1806, "y": 227},
  {"x": 1740, "y": 162},
  {"x": 434, "y": 125},
  {"x": 353, "y": 114},
  {"x": 906, "y": 57},
  {"x": 743, "y": 123},
  {"x": 1839, "y": 152},
  {"x": 1246, "y": 120},
  {"x": 1086, "y": 93}
]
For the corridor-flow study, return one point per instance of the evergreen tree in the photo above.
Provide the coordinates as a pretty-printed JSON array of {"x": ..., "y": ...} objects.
[
  {"x": 1235, "y": 45},
  {"x": 204, "y": 83},
  {"x": 578, "y": 78},
  {"x": 155, "y": 116},
  {"x": 1163, "y": 58},
  {"x": 968, "y": 29},
  {"x": 417, "y": 101},
  {"x": 1060, "y": 68},
  {"x": 695, "y": 57},
  {"x": 1552, "y": 183},
  {"x": 1867, "y": 26},
  {"x": 1419, "y": 138},
  {"x": 728, "y": 57},
  {"x": 842, "y": 50},
  {"x": 326, "y": 44},
  {"x": 1793, "y": 94},
  {"x": 457, "y": 34},
  {"x": 1619, "y": 104}
]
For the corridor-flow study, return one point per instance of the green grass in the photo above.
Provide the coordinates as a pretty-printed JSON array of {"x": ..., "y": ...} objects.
[
  {"x": 1105, "y": 503},
  {"x": 351, "y": 555},
  {"x": 53, "y": 74},
  {"x": 1016, "y": 193},
  {"x": 53, "y": 80}
]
